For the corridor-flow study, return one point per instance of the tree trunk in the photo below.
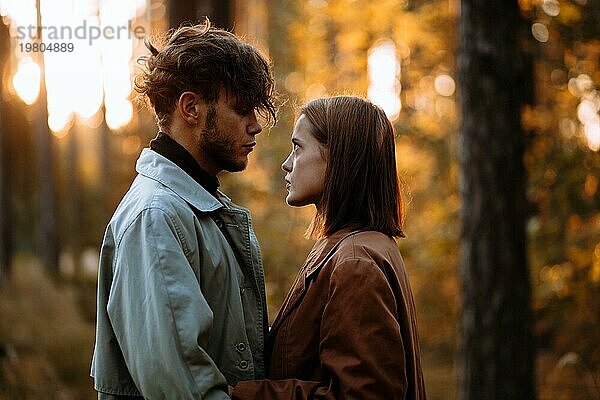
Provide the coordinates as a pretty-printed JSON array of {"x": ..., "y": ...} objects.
[
  {"x": 75, "y": 201},
  {"x": 6, "y": 245},
  {"x": 193, "y": 11},
  {"x": 495, "y": 80},
  {"x": 105, "y": 164},
  {"x": 48, "y": 222}
]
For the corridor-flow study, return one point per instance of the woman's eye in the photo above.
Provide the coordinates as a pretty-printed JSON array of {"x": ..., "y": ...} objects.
[{"x": 296, "y": 146}]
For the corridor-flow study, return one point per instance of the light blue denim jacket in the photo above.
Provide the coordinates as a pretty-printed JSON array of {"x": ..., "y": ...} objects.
[{"x": 181, "y": 308}]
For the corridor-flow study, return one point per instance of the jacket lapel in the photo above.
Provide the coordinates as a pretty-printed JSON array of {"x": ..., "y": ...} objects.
[
  {"x": 319, "y": 255},
  {"x": 161, "y": 169}
]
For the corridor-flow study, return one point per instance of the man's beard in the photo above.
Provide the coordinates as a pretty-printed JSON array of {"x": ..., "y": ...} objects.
[{"x": 217, "y": 145}]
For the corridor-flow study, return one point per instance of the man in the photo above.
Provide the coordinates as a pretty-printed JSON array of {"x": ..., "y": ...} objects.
[{"x": 181, "y": 300}]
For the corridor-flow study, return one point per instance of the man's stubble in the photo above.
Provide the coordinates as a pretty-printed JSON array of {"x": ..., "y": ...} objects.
[{"x": 218, "y": 145}]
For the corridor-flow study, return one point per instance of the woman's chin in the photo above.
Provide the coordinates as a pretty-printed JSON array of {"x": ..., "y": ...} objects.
[
  {"x": 290, "y": 202},
  {"x": 294, "y": 202}
]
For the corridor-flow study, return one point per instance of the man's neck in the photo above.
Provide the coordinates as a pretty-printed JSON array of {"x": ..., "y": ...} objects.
[
  {"x": 168, "y": 147},
  {"x": 188, "y": 141}
]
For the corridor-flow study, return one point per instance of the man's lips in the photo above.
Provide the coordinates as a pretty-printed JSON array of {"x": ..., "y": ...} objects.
[{"x": 248, "y": 147}]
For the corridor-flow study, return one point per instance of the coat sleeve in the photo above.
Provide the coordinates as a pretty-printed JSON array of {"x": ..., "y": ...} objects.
[
  {"x": 160, "y": 318},
  {"x": 361, "y": 347}
]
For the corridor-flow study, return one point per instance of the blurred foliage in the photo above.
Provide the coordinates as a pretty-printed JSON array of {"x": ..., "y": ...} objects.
[
  {"x": 564, "y": 228},
  {"x": 320, "y": 47},
  {"x": 45, "y": 342}
]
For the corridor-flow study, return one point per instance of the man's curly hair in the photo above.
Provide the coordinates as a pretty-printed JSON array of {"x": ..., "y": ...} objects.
[{"x": 204, "y": 60}]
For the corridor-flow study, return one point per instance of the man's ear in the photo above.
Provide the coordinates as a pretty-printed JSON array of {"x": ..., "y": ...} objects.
[{"x": 191, "y": 108}]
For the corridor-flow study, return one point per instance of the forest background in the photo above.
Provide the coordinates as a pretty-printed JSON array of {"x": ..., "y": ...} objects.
[{"x": 68, "y": 149}]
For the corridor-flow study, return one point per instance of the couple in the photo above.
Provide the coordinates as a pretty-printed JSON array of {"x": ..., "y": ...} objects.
[{"x": 181, "y": 298}]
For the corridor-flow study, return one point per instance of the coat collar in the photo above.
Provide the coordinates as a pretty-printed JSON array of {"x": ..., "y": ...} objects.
[
  {"x": 321, "y": 252},
  {"x": 157, "y": 167}
]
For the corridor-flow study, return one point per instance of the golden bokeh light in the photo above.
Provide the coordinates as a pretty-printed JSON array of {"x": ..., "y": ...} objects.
[
  {"x": 551, "y": 7},
  {"x": 20, "y": 13},
  {"x": 26, "y": 80},
  {"x": 444, "y": 85},
  {"x": 540, "y": 32},
  {"x": 96, "y": 69},
  {"x": 116, "y": 56},
  {"x": 587, "y": 112},
  {"x": 118, "y": 113},
  {"x": 384, "y": 71},
  {"x": 580, "y": 85},
  {"x": 592, "y": 134}
]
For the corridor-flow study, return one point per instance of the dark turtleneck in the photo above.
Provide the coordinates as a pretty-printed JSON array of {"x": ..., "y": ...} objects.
[{"x": 164, "y": 145}]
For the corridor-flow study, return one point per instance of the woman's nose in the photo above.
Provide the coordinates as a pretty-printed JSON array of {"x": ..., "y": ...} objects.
[{"x": 287, "y": 164}]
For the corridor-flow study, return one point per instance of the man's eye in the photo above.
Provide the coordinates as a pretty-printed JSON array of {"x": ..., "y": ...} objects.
[
  {"x": 245, "y": 110},
  {"x": 296, "y": 146}
]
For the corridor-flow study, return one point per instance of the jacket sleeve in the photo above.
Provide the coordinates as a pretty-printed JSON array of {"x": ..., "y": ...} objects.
[
  {"x": 159, "y": 315},
  {"x": 361, "y": 347}
]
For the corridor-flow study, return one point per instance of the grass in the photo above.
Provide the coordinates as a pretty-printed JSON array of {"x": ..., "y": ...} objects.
[{"x": 45, "y": 342}]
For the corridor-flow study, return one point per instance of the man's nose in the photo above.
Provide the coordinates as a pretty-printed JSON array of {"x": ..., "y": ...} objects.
[{"x": 254, "y": 128}]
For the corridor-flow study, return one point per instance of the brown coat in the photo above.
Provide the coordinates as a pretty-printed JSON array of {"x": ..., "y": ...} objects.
[{"x": 347, "y": 329}]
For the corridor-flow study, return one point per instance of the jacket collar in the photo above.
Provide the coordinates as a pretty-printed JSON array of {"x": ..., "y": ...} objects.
[
  {"x": 167, "y": 147},
  {"x": 322, "y": 251},
  {"x": 157, "y": 167}
]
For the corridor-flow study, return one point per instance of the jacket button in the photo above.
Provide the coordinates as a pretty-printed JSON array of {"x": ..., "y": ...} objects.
[
  {"x": 219, "y": 223},
  {"x": 241, "y": 347},
  {"x": 243, "y": 364}
]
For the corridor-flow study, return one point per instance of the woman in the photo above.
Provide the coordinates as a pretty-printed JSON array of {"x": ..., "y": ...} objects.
[{"x": 347, "y": 329}]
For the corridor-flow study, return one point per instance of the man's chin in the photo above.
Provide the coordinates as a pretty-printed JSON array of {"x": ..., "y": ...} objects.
[
  {"x": 232, "y": 165},
  {"x": 236, "y": 166}
]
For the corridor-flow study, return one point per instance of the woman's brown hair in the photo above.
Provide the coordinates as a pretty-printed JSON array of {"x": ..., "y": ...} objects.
[{"x": 361, "y": 189}]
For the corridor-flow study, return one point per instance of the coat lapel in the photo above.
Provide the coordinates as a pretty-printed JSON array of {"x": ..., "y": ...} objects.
[{"x": 319, "y": 255}]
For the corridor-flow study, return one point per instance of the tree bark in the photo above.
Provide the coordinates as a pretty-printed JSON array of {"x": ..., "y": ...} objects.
[
  {"x": 6, "y": 245},
  {"x": 193, "y": 11},
  {"x": 495, "y": 80},
  {"x": 75, "y": 201},
  {"x": 105, "y": 163},
  {"x": 48, "y": 242}
]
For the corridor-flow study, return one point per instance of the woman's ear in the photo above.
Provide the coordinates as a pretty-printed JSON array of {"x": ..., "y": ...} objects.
[{"x": 191, "y": 108}]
